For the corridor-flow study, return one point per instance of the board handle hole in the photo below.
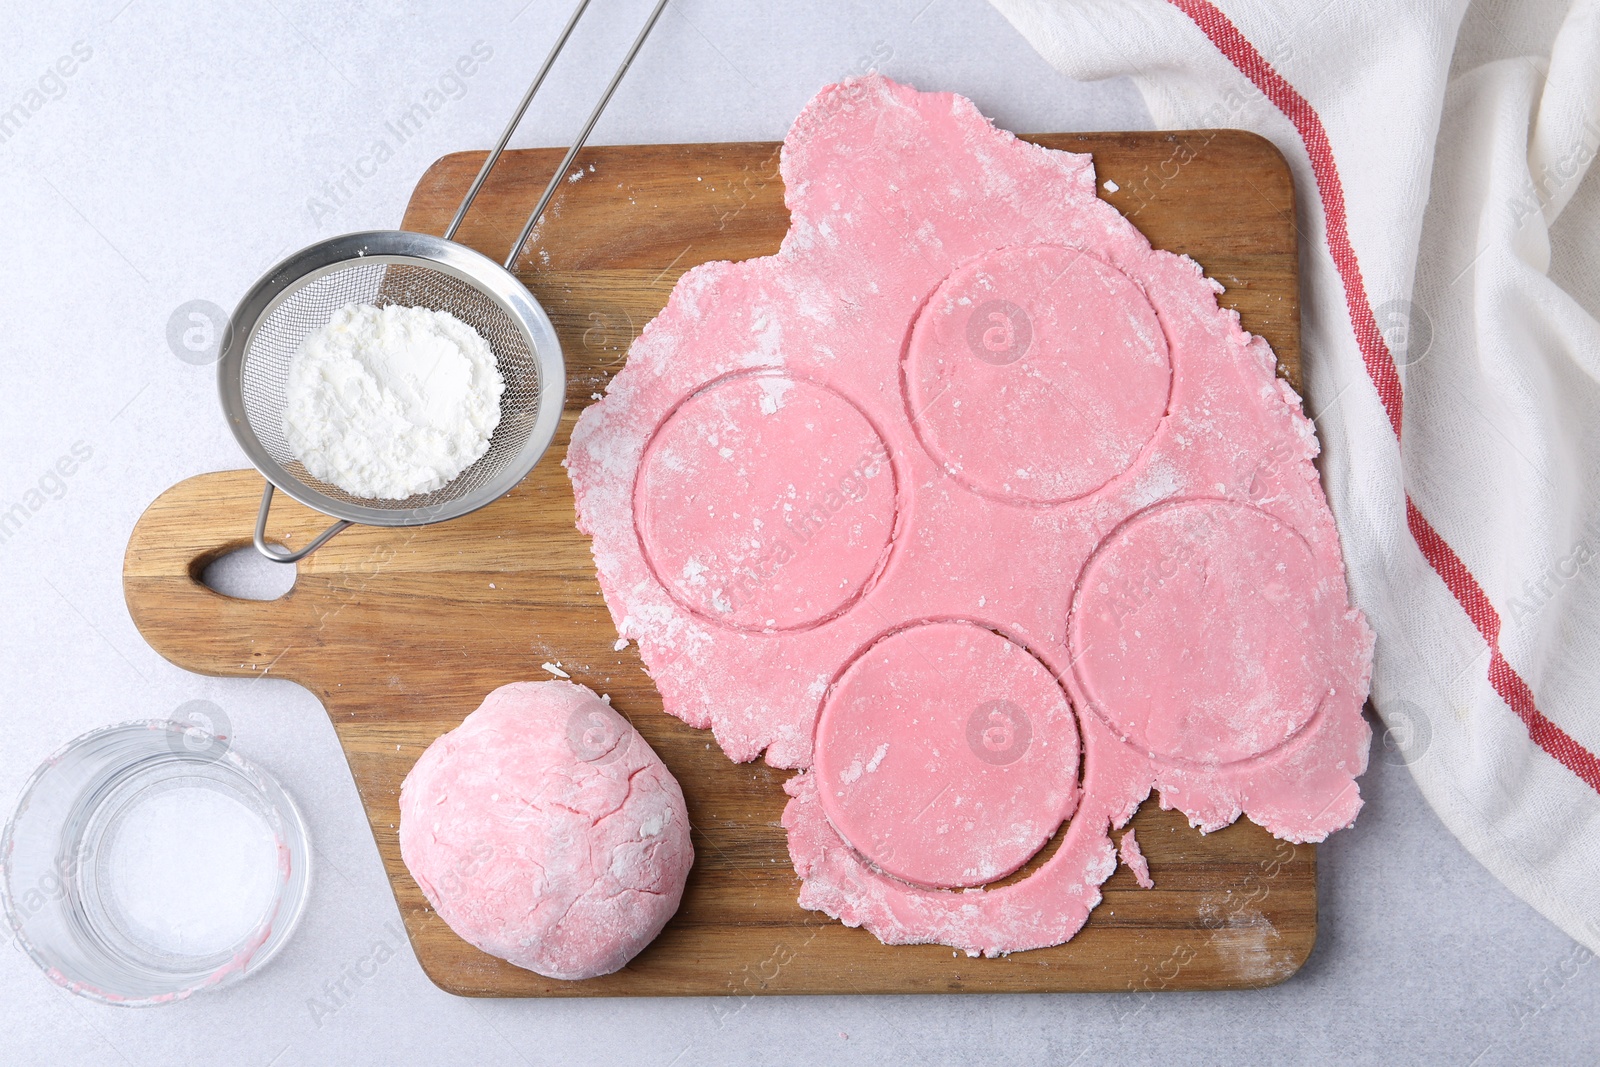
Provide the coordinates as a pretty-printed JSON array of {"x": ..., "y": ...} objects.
[{"x": 246, "y": 574}]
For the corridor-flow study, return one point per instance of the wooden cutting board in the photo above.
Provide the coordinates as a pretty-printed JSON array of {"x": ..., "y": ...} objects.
[{"x": 401, "y": 633}]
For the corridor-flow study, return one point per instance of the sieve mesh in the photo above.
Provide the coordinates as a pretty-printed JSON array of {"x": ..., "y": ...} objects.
[{"x": 311, "y": 301}]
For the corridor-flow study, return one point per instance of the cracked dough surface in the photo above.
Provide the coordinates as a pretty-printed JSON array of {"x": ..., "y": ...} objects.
[
  {"x": 980, "y": 513},
  {"x": 546, "y": 831}
]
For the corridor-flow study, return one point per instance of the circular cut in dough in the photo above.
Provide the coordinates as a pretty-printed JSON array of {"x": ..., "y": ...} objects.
[
  {"x": 766, "y": 503},
  {"x": 1037, "y": 374},
  {"x": 947, "y": 755},
  {"x": 1200, "y": 631},
  {"x": 546, "y": 831}
]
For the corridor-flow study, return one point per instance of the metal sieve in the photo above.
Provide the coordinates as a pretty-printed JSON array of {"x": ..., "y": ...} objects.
[{"x": 299, "y": 295}]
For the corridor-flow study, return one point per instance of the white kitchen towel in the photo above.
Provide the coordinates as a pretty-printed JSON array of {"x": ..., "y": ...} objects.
[{"x": 1451, "y": 266}]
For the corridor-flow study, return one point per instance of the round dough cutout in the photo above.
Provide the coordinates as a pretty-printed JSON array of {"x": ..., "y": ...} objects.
[
  {"x": 947, "y": 755},
  {"x": 1037, "y": 373},
  {"x": 766, "y": 503},
  {"x": 1198, "y": 632}
]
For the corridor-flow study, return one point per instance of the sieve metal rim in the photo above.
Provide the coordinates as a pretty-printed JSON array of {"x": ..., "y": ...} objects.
[{"x": 416, "y": 249}]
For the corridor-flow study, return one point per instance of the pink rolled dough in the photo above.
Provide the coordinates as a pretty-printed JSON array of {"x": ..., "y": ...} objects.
[
  {"x": 546, "y": 831},
  {"x": 982, "y": 514}
]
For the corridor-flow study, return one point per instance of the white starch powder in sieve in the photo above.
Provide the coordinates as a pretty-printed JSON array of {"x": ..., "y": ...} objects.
[{"x": 387, "y": 402}]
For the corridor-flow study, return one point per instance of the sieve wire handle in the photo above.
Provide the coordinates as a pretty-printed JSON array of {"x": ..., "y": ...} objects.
[
  {"x": 522, "y": 109},
  {"x": 588, "y": 128},
  {"x": 516, "y": 120},
  {"x": 278, "y": 555}
]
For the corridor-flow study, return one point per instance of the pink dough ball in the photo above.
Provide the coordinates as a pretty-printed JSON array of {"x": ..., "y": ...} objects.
[{"x": 546, "y": 831}]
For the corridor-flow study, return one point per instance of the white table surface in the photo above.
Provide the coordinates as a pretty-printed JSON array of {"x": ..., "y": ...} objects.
[{"x": 177, "y": 164}]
